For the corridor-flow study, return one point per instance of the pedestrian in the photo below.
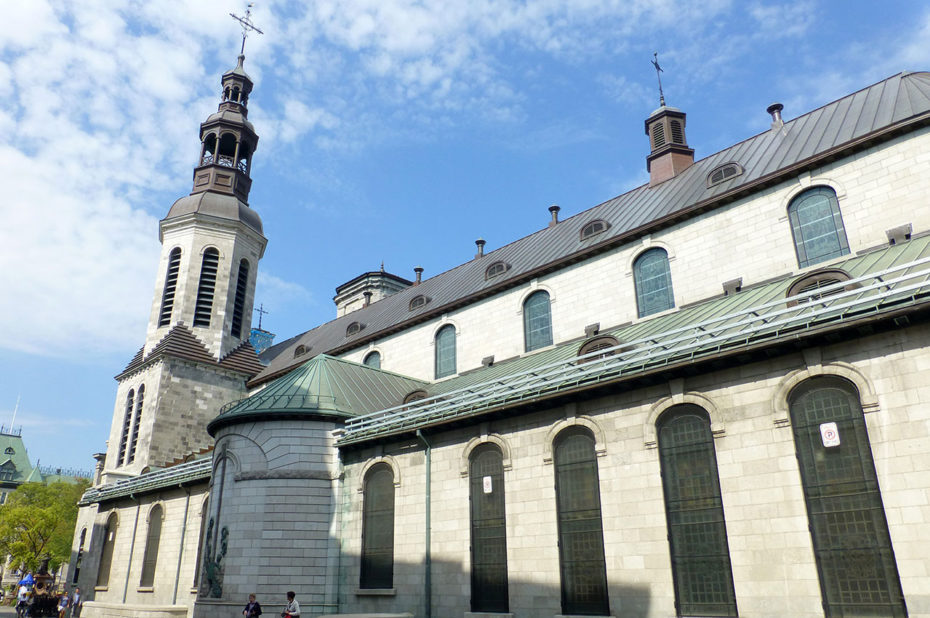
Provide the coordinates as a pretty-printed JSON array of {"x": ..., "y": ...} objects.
[
  {"x": 63, "y": 602},
  {"x": 21, "y": 600},
  {"x": 77, "y": 602},
  {"x": 252, "y": 609},
  {"x": 292, "y": 609}
]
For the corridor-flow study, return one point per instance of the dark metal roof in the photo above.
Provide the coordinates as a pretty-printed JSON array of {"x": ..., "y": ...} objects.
[
  {"x": 895, "y": 105},
  {"x": 217, "y": 205},
  {"x": 180, "y": 342}
]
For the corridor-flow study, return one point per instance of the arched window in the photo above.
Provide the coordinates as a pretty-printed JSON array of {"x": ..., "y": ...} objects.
[
  {"x": 445, "y": 351},
  {"x": 171, "y": 286},
  {"x": 127, "y": 428},
  {"x": 354, "y": 328},
  {"x": 79, "y": 558},
  {"x": 152, "y": 540},
  {"x": 418, "y": 301},
  {"x": 653, "y": 281},
  {"x": 496, "y": 269},
  {"x": 488, "y": 530},
  {"x": 378, "y": 528},
  {"x": 852, "y": 547},
  {"x": 242, "y": 283},
  {"x": 207, "y": 287},
  {"x": 581, "y": 534},
  {"x": 817, "y": 226},
  {"x": 537, "y": 321},
  {"x": 603, "y": 342},
  {"x": 598, "y": 226},
  {"x": 373, "y": 360},
  {"x": 106, "y": 553},
  {"x": 204, "y": 511},
  {"x": 697, "y": 533},
  {"x": 300, "y": 350},
  {"x": 136, "y": 424}
]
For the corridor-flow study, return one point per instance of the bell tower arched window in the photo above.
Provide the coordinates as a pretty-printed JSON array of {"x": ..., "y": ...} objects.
[
  {"x": 203, "y": 309},
  {"x": 242, "y": 282},
  {"x": 127, "y": 428},
  {"x": 653, "y": 281},
  {"x": 171, "y": 285},
  {"x": 378, "y": 528},
  {"x": 537, "y": 321},
  {"x": 817, "y": 226},
  {"x": 136, "y": 422}
]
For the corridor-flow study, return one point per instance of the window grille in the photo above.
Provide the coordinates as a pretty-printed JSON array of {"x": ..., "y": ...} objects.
[
  {"x": 678, "y": 132},
  {"x": 496, "y": 269},
  {"x": 817, "y": 226},
  {"x": 378, "y": 528},
  {"x": 137, "y": 421},
  {"x": 594, "y": 228},
  {"x": 152, "y": 541},
  {"x": 658, "y": 135},
  {"x": 653, "y": 281},
  {"x": 239, "y": 305},
  {"x": 373, "y": 360},
  {"x": 127, "y": 427},
  {"x": 106, "y": 553},
  {"x": 445, "y": 351},
  {"x": 171, "y": 285},
  {"x": 852, "y": 546},
  {"x": 537, "y": 321},
  {"x": 488, "y": 530},
  {"x": 724, "y": 172},
  {"x": 697, "y": 532},
  {"x": 581, "y": 536},
  {"x": 203, "y": 309}
]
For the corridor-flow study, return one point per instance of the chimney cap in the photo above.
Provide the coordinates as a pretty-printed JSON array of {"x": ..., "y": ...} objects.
[{"x": 774, "y": 107}]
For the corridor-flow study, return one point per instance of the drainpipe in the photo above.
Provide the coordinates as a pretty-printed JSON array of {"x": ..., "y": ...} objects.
[
  {"x": 427, "y": 583},
  {"x": 132, "y": 545},
  {"x": 177, "y": 575}
]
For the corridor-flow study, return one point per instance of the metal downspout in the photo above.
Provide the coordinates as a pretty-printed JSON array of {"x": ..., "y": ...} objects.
[
  {"x": 132, "y": 546},
  {"x": 427, "y": 580},
  {"x": 177, "y": 575}
]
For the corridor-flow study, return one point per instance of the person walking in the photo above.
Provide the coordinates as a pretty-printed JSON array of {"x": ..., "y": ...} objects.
[
  {"x": 253, "y": 608},
  {"x": 292, "y": 609},
  {"x": 77, "y": 602},
  {"x": 21, "y": 600},
  {"x": 63, "y": 603}
]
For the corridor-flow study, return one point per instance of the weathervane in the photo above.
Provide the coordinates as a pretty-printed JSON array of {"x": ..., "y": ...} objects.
[
  {"x": 655, "y": 63},
  {"x": 261, "y": 311},
  {"x": 247, "y": 25}
]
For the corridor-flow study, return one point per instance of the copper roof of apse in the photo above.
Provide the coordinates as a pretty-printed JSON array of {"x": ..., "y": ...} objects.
[{"x": 879, "y": 112}]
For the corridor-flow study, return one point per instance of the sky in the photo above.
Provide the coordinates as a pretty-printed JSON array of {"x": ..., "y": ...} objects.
[{"x": 394, "y": 131}]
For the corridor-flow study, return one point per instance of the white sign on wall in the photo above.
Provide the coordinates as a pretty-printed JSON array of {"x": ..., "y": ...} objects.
[
  {"x": 486, "y": 481},
  {"x": 829, "y": 434}
]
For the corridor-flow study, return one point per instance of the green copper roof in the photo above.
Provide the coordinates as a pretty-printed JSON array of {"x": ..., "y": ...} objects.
[
  {"x": 326, "y": 386},
  {"x": 13, "y": 455}
]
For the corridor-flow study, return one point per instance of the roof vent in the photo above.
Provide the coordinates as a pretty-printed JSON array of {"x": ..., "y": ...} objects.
[
  {"x": 775, "y": 110},
  {"x": 732, "y": 286},
  {"x": 554, "y": 209},
  {"x": 897, "y": 235},
  {"x": 487, "y": 361},
  {"x": 419, "y": 271},
  {"x": 592, "y": 329},
  {"x": 480, "y": 244}
]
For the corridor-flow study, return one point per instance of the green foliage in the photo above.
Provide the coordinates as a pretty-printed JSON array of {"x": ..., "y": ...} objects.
[{"x": 39, "y": 519}]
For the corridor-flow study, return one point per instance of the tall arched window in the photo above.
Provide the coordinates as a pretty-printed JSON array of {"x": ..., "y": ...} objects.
[
  {"x": 697, "y": 533},
  {"x": 445, "y": 351},
  {"x": 581, "y": 533},
  {"x": 80, "y": 557},
  {"x": 171, "y": 285},
  {"x": 106, "y": 553},
  {"x": 488, "y": 530},
  {"x": 239, "y": 305},
  {"x": 204, "y": 511},
  {"x": 855, "y": 560},
  {"x": 203, "y": 309},
  {"x": 152, "y": 541},
  {"x": 817, "y": 226},
  {"x": 127, "y": 427},
  {"x": 537, "y": 321},
  {"x": 653, "y": 281},
  {"x": 378, "y": 528},
  {"x": 136, "y": 423},
  {"x": 373, "y": 360}
]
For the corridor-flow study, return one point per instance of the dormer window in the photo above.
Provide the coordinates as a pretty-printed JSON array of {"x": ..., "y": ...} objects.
[
  {"x": 354, "y": 328},
  {"x": 300, "y": 350},
  {"x": 597, "y": 344},
  {"x": 723, "y": 173},
  {"x": 415, "y": 396},
  {"x": 598, "y": 226},
  {"x": 9, "y": 450},
  {"x": 812, "y": 286},
  {"x": 418, "y": 301},
  {"x": 496, "y": 270}
]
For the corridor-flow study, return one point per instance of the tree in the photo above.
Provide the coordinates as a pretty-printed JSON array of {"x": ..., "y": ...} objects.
[{"x": 39, "y": 519}]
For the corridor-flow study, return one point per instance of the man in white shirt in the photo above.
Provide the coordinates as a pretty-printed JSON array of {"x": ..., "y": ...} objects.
[{"x": 292, "y": 609}]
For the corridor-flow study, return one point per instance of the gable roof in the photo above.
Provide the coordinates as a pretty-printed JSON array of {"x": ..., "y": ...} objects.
[
  {"x": 18, "y": 459},
  {"x": 180, "y": 342},
  {"x": 878, "y": 112}
]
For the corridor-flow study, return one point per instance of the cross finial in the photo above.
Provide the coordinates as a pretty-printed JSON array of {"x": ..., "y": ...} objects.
[
  {"x": 655, "y": 63},
  {"x": 246, "y": 23},
  {"x": 261, "y": 311}
]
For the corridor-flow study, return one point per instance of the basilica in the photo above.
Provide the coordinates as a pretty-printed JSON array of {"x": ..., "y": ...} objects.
[{"x": 707, "y": 396}]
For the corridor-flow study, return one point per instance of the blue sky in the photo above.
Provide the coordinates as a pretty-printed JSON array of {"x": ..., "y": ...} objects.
[{"x": 390, "y": 130}]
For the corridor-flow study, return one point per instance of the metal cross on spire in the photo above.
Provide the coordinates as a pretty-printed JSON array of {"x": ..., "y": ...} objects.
[
  {"x": 246, "y": 23},
  {"x": 260, "y": 311},
  {"x": 655, "y": 63}
]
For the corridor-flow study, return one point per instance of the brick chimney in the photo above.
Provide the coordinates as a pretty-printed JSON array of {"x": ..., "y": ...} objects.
[{"x": 670, "y": 154}]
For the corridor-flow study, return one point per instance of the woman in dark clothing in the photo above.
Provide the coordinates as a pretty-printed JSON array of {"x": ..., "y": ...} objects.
[{"x": 252, "y": 608}]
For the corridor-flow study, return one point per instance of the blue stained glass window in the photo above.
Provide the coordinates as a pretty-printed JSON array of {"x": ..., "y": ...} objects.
[
  {"x": 653, "y": 282},
  {"x": 445, "y": 351},
  {"x": 537, "y": 321},
  {"x": 817, "y": 226}
]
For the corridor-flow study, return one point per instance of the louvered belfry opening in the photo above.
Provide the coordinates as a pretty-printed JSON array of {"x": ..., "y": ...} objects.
[
  {"x": 488, "y": 530},
  {"x": 171, "y": 286},
  {"x": 135, "y": 425},
  {"x": 127, "y": 426},
  {"x": 239, "y": 304},
  {"x": 206, "y": 289}
]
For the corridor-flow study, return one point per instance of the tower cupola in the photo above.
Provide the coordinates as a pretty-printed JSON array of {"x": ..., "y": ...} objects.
[
  {"x": 670, "y": 154},
  {"x": 228, "y": 140}
]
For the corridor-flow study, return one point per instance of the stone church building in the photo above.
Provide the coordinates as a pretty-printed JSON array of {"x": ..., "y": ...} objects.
[{"x": 708, "y": 396}]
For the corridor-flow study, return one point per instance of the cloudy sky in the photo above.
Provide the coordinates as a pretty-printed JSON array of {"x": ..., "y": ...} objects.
[{"x": 390, "y": 130}]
